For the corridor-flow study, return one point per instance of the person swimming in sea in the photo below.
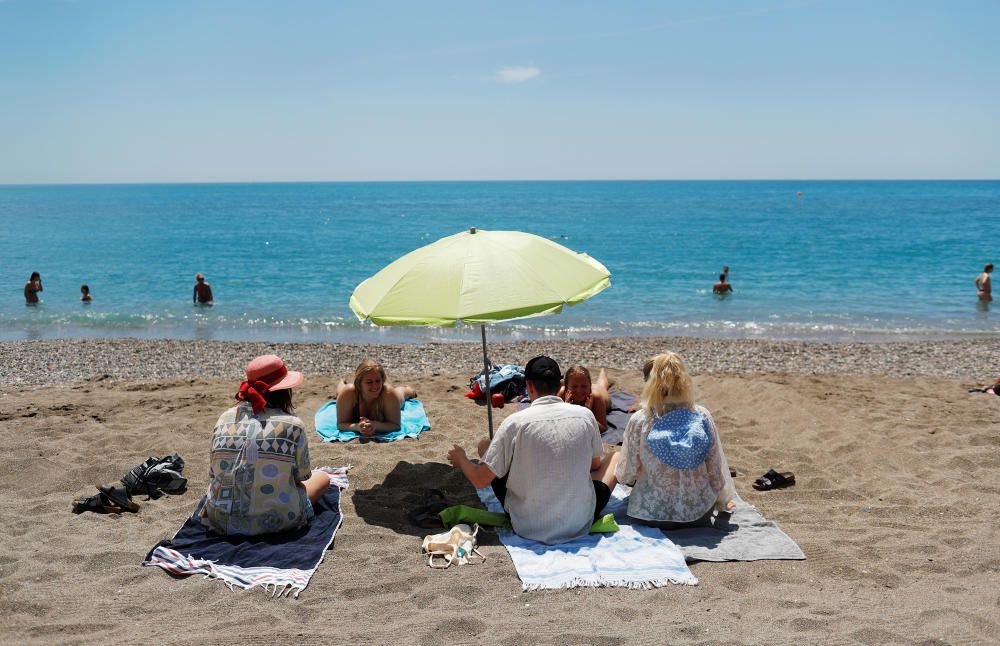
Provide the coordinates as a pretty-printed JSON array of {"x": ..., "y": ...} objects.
[
  {"x": 722, "y": 287},
  {"x": 32, "y": 287},
  {"x": 202, "y": 294},
  {"x": 983, "y": 284},
  {"x": 85, "y": 296}
]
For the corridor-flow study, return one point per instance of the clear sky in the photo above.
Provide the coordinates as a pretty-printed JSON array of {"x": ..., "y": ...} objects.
[{"x": 280, "y": 90}]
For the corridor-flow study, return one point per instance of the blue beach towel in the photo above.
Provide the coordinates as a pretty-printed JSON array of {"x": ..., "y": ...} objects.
[
  {"x": 634, "y": 557},
  {"x": 280, "y": 563},
  {"x": 412, "y": 422}
]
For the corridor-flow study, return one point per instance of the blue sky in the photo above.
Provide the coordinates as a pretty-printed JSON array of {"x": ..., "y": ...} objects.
[{"x": 219, "y": 90}]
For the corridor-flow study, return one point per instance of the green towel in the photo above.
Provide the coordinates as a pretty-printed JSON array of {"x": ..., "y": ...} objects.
[{"x": 463, "y": 514}]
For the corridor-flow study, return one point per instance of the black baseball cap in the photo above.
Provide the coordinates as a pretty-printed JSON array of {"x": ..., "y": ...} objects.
[{"x": 542, "y": 368}]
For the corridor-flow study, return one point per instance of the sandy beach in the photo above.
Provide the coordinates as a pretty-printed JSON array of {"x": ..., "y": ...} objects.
[{"x": 895, "y": 503}]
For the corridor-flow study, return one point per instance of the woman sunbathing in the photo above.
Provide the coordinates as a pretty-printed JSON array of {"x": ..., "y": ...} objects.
[
  {"x": 579, "y": 389},
  {"x": 370, "y": 405},
  {"x": 260, "y": 479},
  {"x": 673, "y": 454}
]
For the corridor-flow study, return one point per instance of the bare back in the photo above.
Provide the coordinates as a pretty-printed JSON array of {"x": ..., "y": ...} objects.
[
  {"x": 203, "y": 293},
  {"x": 31, "y": 289},
  {"x": 983, "y": 284}
]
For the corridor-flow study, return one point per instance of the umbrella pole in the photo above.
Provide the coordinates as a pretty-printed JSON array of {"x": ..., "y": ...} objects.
[{"x": 486, "y": 374}]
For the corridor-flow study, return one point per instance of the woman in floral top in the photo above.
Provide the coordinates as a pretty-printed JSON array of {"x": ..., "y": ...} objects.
[
  {"x": 260, "y": 480},
  {"x": 673, "y": 454}
]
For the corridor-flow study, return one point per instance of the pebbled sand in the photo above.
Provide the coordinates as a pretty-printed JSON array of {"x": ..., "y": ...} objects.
[{"x": 895, "y": 507}]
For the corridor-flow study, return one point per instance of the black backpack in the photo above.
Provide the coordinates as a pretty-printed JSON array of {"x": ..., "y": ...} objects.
[{"x": 157, "y": 476}]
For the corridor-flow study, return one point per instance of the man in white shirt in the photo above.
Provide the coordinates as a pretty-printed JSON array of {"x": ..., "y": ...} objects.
[{"x": 545, "y": 462}]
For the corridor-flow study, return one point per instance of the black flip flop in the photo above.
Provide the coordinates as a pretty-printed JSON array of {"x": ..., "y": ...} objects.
[
  {"x": 435, "y": 496},
  {"x": 425, "y": 519},
  {"x": 773, "y": 480},
  {"x": 426, "y": 516}
]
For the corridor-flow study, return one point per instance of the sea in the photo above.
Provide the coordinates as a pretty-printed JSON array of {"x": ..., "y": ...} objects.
[{"x": 810, "y": 260}]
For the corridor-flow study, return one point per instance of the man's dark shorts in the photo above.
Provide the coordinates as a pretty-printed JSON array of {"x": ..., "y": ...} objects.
[{"x": 602, "y": 490}]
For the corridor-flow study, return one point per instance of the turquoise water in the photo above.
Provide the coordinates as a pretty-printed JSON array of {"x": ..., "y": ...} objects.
[{"x": 843, "y": 260}]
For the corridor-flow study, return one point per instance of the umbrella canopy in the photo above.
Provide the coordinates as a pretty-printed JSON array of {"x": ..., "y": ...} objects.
[{"x": 479, "y": 277}]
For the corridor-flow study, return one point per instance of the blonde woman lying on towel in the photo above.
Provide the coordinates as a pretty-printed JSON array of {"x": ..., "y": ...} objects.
[{"x": 370, "y": 405}]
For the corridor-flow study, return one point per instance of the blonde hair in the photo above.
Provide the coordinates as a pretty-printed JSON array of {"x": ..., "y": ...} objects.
[
  {"x": 366, "y": 366},
  {"x": 577, "y": 370},
  {"x": 668, "y": 383}
]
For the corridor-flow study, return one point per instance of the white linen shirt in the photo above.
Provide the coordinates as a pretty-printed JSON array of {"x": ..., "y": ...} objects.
[
  {"x": 546, "y": 451},
  {"x": 663, "y": 493}
]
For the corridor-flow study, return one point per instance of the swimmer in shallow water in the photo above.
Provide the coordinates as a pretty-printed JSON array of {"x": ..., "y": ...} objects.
[
  {"x": 722, "y": 287},
  {"x": 32, "y": 287},
  {"x": 370, "y": 405},
  {"x": 85, "y": 294},
  {"x": 202, "y": 294},
  {"x": 984, "y": 285}
]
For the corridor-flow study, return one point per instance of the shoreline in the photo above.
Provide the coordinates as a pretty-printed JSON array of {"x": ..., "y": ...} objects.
[{"x": 66, "y": 361}]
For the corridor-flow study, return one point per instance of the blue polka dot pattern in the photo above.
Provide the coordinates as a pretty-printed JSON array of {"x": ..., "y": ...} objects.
[{"x": 681, "y": 438}]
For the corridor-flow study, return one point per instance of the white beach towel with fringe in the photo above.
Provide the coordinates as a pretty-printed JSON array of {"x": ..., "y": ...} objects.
[{"x": 634, "y": 557}]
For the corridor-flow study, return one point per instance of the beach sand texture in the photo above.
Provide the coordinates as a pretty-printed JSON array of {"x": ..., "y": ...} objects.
[{"x": 895, "y": 506}]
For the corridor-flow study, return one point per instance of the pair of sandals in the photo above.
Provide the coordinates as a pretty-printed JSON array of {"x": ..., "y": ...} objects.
[
  {"x": 426, "y": 516},
  {"x": 774, "y": 480},
  {"x": 110, "y": 499}
]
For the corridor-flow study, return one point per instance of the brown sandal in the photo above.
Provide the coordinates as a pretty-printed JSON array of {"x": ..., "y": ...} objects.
[
  {"x": 98, "y": 503},
  {"x": 118, "y": 495}
]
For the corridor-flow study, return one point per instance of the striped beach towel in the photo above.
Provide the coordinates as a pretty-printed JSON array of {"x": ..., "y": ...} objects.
[
  {"x": 634, "y": 557},
  {"x": 282, "y": 563}
]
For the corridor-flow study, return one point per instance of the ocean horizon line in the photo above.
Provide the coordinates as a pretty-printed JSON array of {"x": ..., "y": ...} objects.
[{"x": 497, "y": 181}]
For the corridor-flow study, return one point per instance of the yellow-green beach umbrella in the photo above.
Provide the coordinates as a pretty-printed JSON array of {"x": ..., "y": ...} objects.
[{"x": 479, "y": 277}]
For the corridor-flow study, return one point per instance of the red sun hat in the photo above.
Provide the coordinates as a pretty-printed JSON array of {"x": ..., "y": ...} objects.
[{"x": 270, "y": 369}]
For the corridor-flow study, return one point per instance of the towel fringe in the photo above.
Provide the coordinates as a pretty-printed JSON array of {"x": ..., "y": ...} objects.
[
  {"x": 277, "y": 586},
  {"x": 603, "y": 582}
]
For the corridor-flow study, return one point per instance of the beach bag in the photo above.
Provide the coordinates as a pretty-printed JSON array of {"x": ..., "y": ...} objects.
[
  {"x": 507, "y": 380},
  {"x": 457, "y": 545},
  {"x": 680, "y": 438}
]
